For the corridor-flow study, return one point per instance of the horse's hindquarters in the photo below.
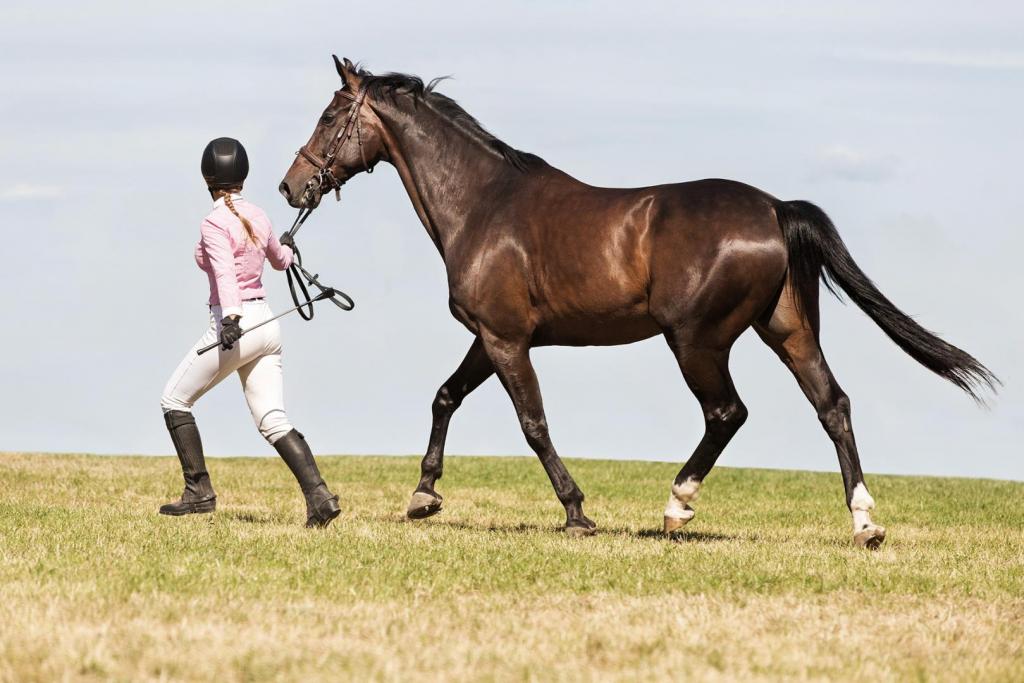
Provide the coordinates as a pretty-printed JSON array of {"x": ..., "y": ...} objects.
[{"x": 718, "y": 260}]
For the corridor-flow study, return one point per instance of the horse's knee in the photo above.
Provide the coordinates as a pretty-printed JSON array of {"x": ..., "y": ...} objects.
[
  {"x": 725, "y": 418},
  {"x": 835, "y": 416},
  {"x": 444, "y": 402}
]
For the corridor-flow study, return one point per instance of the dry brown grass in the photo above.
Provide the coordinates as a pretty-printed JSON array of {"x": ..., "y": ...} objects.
[
  {"x": 481, "y": 637},
  {"x": 95, "y": 586}
]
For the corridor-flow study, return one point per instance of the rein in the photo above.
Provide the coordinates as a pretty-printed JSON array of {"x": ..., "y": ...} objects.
[{"x": 300, "y": 279}]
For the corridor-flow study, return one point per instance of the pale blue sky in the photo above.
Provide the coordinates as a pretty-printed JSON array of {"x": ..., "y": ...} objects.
[{"x": 902, "y": 120}]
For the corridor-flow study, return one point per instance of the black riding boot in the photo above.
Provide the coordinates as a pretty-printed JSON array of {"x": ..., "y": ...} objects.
[
  {"x": 198, "y": 495},
  {"x": 321, "y": 504}
]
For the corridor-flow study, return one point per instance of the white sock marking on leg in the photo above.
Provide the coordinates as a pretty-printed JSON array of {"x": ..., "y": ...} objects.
[
  {"x": 860, "y": 505},
  {"x": 681, "y": 496}
]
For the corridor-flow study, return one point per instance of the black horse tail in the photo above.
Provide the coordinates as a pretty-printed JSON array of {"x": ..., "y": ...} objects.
[{"x": 816, "y": 251}]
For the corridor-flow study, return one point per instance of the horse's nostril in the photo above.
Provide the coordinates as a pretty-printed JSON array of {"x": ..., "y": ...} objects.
[{"x": 283, "y": 189}]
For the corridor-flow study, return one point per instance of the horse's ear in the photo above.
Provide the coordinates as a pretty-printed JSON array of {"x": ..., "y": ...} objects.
[
  {"x": 346, "y": 69},
  {"x": 340, "y": 68}
]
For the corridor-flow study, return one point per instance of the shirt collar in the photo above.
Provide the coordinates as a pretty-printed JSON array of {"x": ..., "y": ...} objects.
[{"x": 220, "y": 201}]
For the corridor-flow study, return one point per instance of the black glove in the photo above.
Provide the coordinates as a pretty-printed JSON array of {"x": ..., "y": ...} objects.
[
  {"x": 288, "y": 241},
  {"x": 230, "y": 332}
]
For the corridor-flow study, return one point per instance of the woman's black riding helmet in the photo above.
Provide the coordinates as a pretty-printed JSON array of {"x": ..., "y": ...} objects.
[{"x": 225, "y": 164}]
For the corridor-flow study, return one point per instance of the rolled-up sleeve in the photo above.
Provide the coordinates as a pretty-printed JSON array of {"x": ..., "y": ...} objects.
[
  {"x": 217, "y": 244},
  {"x": 280, "y": 256}
]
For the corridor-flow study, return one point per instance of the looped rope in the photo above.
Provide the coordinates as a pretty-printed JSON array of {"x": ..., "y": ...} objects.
[
  {"x": 295, "y": 278},
  {"x": 300, "y": 278}
]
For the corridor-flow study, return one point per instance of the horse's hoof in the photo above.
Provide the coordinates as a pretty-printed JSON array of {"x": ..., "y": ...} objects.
[
  {"x": 870, "y": 537},
  {"x": 673, "y": 524},
  {"x": 423, "y": 505},
  {"x": 580, "y": 531}
]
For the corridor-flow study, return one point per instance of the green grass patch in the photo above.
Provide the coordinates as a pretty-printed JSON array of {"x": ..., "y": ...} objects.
[{"x": 764, "y": 583}]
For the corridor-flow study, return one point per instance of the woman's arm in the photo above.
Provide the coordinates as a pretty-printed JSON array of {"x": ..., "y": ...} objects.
[
  {"x": 217, "y": 244},
  {"x": 280, "y": 256}
]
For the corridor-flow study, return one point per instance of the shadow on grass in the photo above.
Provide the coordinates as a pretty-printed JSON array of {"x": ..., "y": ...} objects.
[
  {"x": 248, "y": 516},
  {"x": 527, "y": 528},
  {"x": 521, "y": 528},
  {"x": 687, "y": 536}
]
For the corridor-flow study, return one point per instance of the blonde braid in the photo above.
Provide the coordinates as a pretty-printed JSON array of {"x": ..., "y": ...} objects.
[{"x": 245, "y": 222}]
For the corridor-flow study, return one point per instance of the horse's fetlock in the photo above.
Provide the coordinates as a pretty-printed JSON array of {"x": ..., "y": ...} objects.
[
  {"x": 570, "y": 496},
  {"x": 432, "y": 466}
]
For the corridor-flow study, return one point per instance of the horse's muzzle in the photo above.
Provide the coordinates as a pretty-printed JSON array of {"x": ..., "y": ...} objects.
[{"x": 309, "y": 198}]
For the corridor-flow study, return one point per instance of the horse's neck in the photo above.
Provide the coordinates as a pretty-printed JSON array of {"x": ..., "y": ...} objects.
[{"x": 444, "y": 171}]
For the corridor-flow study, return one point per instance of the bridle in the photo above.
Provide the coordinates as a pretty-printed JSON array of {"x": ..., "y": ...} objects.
[{"x": 325, "y": 180}]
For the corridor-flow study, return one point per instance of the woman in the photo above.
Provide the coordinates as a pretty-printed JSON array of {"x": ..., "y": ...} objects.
[{"x": 235, "y": 240}]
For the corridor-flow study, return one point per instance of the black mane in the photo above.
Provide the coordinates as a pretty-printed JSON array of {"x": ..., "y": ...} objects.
[{"x": 392, "y": 84}]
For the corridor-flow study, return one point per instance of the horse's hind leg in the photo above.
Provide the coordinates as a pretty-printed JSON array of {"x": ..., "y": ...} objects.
[
  {"x": 793, "y": 335},
  {"x": 475, "y": 368},
  {"x": 706, "y": 371}
]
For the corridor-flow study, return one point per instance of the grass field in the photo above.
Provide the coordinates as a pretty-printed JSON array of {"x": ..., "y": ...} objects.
[{"x": 764, "y": 585}]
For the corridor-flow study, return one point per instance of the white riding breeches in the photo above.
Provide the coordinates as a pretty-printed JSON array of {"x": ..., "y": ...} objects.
[{"x": 257, "y": 359}]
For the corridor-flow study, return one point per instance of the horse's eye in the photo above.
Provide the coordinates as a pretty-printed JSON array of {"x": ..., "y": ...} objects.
[{"x": 327, "y": 119}]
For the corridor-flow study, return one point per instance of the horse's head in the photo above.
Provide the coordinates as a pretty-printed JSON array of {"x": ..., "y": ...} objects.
[{"x": 346, "y": 141}]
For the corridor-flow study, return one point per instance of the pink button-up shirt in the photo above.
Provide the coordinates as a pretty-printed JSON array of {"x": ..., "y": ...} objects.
[{"x": 229, "y": 258}]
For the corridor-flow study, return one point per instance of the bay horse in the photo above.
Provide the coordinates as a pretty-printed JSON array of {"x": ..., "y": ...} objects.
[{"x": 535, "y": 257}]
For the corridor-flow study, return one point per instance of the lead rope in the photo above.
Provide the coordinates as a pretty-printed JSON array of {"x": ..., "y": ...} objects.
[{"x": 298, "y": 276}]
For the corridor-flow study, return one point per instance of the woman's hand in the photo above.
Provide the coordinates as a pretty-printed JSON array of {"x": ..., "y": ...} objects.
[
  {"x": 287, "y": 241},
  {"x": 230, "y": 332}
]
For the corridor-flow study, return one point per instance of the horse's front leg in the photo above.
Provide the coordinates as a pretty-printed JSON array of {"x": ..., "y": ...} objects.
[{"x": 475, "y": 368}]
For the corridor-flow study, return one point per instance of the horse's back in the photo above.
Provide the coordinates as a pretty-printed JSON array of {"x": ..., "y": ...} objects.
[{"x": 611, "y": 266}]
